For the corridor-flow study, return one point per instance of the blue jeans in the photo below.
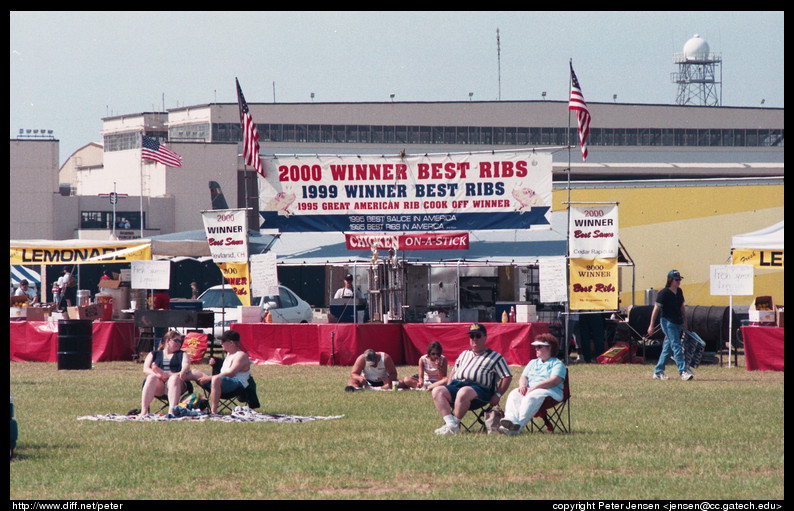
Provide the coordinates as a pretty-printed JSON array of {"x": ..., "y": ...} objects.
[
  {"x": 228, "y": 385},
  {"x": 672, "y": 346}
]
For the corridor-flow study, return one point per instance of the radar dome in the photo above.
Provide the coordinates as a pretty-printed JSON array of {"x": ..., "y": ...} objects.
[{"x": 696, "y": 48}]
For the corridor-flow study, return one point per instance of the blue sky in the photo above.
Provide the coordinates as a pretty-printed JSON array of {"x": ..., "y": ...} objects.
[{"x": 69, "y": 70}]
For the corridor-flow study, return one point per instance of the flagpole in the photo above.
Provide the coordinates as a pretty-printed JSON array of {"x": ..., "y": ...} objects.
[
  {"x": 140, "y": 168},
  {"x": 568, "y": 227}
]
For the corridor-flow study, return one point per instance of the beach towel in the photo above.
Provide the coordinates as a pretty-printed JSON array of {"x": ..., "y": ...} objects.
[{"x": 239, "y": 414}]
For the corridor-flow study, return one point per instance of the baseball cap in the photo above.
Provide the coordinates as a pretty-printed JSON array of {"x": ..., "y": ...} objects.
[
  {"x": 674, "y": 274},
  {"x": 230, "y": 335},
  {"x": 349, "y": 277},
  {"x": 477, "y": 328}
]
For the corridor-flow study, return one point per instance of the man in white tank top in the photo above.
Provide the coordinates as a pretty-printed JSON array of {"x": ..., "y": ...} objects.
[
  {"x": 234, "y": 372},
  {"x": 372, "y": 368}
]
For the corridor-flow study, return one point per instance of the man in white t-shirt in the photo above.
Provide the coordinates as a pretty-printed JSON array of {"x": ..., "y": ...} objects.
[
  {"x": 25, "y": 289},
  {"x": 347, "y": 291}
]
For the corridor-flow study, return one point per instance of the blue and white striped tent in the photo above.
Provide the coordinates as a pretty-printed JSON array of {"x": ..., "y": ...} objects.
[{"x": 19, "y": 272}]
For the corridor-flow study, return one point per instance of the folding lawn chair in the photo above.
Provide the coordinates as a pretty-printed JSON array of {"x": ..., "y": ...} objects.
[
  {"x": 553, "y": 414},
  {"x": 478, "y": 409},
  {"x": 239, "y": 397},
  {"x": 164, "y": 398}
]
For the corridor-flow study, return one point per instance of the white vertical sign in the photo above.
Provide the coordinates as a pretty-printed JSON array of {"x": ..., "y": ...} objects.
[
  {"x": 594, "y": 232},
  {"x": 553, "y": 280},
  {"x": 264, "y": 277},
  {"x": 227, "y": 235}
]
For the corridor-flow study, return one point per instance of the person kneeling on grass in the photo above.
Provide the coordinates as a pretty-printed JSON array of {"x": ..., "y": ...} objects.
[
  {"x": 234, "y": 373},
  {"x": 166, "y": 371},
  {"x": 372, "y": 368},
  {"x": 543, "y": 377}
]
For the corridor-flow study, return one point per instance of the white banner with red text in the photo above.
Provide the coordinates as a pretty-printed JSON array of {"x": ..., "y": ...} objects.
[
  {"x": 416, "y": 241},
  {"x": 593, "y": 231},
  {"x": 409, "y": 193},
  {"x": 227, "y": 235}
]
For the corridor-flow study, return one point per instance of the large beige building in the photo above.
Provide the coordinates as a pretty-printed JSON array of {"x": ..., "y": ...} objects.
[{"x": 686, "y": 178}]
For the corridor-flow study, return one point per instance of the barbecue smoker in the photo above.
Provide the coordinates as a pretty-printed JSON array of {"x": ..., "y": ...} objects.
[{"x": 386, "y": 280}]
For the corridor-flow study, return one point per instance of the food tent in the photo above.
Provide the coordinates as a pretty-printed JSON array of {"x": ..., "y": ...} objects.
[{"x": 769, "y": 238}]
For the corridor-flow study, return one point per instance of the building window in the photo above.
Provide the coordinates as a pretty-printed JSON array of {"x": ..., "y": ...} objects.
[
  {"x": 400, "y": 134},
  {"x": 522, "y": 136},
  {"x": 104, "y": 220},
  {"x": 364, "y": 134},
  {"x": 751, "y": 138},
  {"x": 458, "y": 135},
  {"x": 388, "y": 134}
]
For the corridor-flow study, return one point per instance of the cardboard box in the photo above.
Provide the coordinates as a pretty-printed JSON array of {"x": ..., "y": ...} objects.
[
  {"x": 86, "y": 312},
  {"x": 617, "y": 354},
  {"x": 525, "y": 313},
  {"x": 19, "y": 312},
  {"x": 780, "y": 317},
  {"x": 111, "y": 284},
  {"x": 38, "y": 313},
  {"x": 762, "y": 310},
  {"x": 250, "y": 314}
]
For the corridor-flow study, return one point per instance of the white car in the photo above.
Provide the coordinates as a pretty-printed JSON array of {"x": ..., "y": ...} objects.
[{"x": 286, "y": 307}]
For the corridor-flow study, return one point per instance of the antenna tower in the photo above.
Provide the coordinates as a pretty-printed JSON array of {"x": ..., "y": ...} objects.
[{"x": 697, "y": 74}]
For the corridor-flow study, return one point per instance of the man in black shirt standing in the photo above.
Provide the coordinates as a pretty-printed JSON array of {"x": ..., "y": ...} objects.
[{"x": 670, "y": 302}]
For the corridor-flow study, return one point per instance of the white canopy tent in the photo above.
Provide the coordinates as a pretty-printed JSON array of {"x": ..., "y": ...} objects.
[{"x": 768, "y": 238}]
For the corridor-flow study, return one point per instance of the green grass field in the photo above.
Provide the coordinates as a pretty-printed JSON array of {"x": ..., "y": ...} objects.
[{"x": 719, "y": 436}]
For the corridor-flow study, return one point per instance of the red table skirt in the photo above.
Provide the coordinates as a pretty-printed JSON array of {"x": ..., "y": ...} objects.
[
  {"x": 763, "y": 348},
  {"x": 342, "y": 343},
  {"x": 37, "y": 341}
]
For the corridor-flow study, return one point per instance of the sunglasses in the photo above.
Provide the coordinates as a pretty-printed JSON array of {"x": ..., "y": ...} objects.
[
  {"x": 434, "y": 354},
  {"x": 475, "y": 336}
]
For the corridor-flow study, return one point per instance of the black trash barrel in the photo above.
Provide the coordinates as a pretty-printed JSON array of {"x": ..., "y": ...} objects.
[
  {"x": 640, "y": 319},
  {"x": 711, "y": 323},
  {"x": 75, "y": 343}
]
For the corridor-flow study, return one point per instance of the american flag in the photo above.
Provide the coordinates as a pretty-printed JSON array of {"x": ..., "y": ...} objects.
[
  {"x": 151, "y": 149},
  {"x": 250, "y": 134},
  {"x": 578, "y": 104}
]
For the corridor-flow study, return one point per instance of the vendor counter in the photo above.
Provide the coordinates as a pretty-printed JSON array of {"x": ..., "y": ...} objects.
[
  {"x": 763, "y": 348},
  {"x": 342, "y": 343},
  {"x": 37, "y": 341}
]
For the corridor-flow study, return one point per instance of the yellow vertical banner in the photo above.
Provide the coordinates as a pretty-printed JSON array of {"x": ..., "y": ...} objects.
[
  {"x": 594, "y": 284},
  {"x": 238, "y": 277}
]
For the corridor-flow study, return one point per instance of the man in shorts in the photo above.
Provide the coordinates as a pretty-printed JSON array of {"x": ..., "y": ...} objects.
[
  {"x": 234, "y": 372},
  {"x": 474, "y": 376}
]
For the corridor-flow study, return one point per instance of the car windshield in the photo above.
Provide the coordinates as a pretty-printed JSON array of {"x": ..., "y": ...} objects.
[
  {"x": 269, "y": 298},
  {"x": 215, "y": 298}
]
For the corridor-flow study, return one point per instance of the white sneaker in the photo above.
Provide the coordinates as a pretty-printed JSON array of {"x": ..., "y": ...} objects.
[
  {"x": 686, "y": 375},
  {"x": 447, "y": 430},
  {"x": 660, "y": 376}
]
